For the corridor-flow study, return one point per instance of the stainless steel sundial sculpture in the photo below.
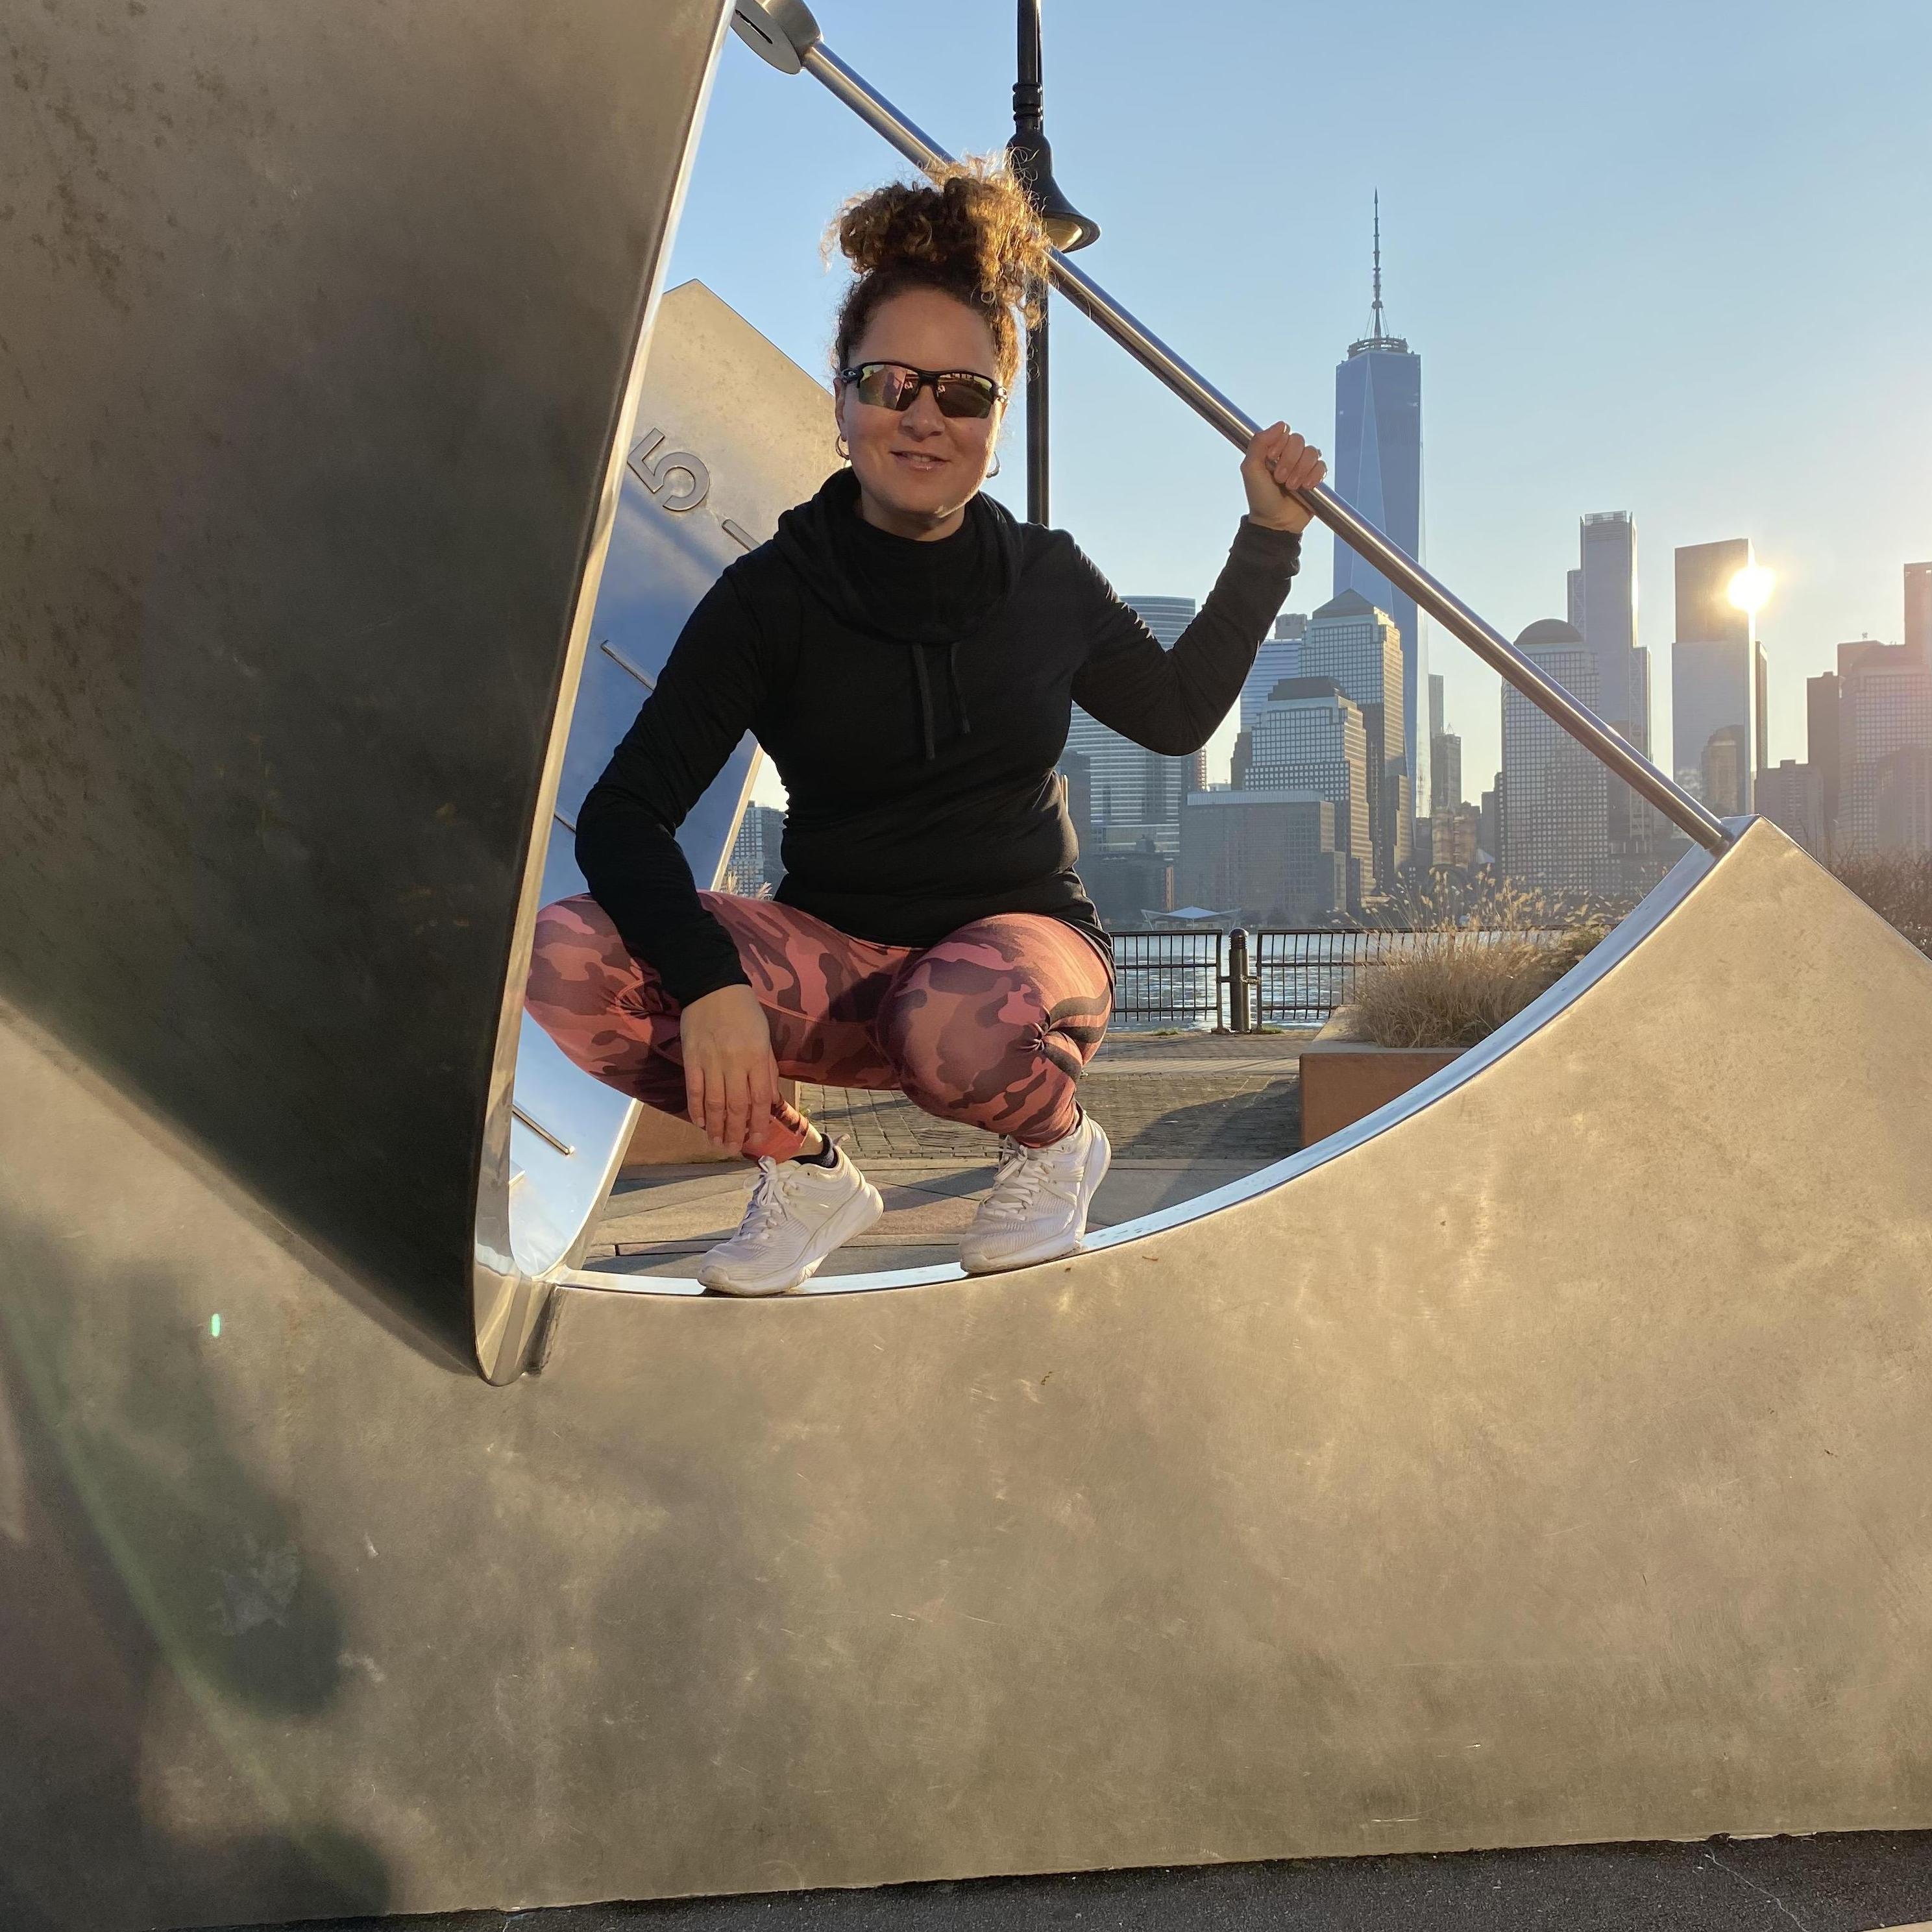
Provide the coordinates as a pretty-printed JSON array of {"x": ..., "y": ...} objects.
[{"x": 1535, "y": 1463}]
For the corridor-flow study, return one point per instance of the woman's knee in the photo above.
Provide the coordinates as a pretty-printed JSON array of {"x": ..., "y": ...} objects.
[
  {"x": 579, "y": 971},
  {"x": 962, "y": 1032}
]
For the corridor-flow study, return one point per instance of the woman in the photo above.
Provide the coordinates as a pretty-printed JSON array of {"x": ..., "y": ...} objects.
[{"x": 907, "y": 653}]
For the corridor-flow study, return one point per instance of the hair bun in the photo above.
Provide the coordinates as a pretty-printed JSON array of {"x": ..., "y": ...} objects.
[{"x": 973, "y": 229}]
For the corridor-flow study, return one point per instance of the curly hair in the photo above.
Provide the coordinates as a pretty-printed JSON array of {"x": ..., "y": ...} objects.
[{"x": 972, "y": 235}]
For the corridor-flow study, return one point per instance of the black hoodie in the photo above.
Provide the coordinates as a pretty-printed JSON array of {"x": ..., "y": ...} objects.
[{"x": 915, "y": 698}]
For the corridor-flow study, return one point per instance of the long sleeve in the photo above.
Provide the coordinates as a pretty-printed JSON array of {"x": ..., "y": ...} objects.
[
  {"x": 1171, "y": 701},
  {"x": 704, "y": 703}
]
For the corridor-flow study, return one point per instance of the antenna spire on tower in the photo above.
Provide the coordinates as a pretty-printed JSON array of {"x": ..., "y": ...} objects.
[
  {"x": 1376, "y": 331},
  {"x": 1379, "y": 337}
]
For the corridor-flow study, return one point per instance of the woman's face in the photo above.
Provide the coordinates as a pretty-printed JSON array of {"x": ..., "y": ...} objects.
[{"x": 918, "y": 469}]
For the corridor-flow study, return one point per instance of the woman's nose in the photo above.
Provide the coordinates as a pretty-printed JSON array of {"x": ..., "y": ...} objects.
[{"x": 923, "y": 418}]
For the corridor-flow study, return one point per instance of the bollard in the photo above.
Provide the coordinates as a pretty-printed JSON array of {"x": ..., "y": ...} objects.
[{"x": 1237, "y": 981}]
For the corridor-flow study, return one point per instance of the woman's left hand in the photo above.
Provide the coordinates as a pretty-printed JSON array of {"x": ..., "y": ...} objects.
[{"x": 1278, "y": 461}]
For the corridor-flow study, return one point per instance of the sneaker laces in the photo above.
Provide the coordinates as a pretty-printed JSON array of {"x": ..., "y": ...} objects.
[
  {"x": 769, "y": 1204},
  {"x": 1022, "y": 1172}
]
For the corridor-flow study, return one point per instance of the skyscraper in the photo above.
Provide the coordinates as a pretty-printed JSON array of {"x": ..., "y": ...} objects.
[
  {"x": 1134, "y": 794},
  {"x": 1278, "y": 657},
  {"x": 1348, "y": 639},
  {"x": 1821, "y": 749},
  {"x": 1377, "y": 472},
  {"x": 755, "y": 866},
  {"x": 1555, "y": 806},
  {"x": 1602, "y": 610},
  {"x": 1309, "y": 738},
  {"x": 1885, "y": 726},
  {"x": 1715, "y": 676}
]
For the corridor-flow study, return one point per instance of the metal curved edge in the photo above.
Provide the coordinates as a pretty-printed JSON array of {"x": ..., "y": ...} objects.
[
  {"x": 702, "y": 481},
  {"x": 508, "y": 1304},
  {"x": 1647, "y": 917}
]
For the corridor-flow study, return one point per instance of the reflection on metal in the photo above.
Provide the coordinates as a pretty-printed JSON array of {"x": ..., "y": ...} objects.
[
  {"x": 804, "y": 50},
  {"x": 777, "y": 31},
  {"x": 564, "y": 819},
  {"x": 623, "y": 663},
  {"x": 739, "y": 536},
  {"x": 1537, "y": 1463},
  {"x": 668, "y": 544},
  {"x": 542, "y": 1132}
]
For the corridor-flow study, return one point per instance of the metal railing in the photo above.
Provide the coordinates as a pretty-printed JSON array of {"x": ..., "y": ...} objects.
[
  {"x": 1171, "y": 978},
  {"x": 1239, "y": 982}
]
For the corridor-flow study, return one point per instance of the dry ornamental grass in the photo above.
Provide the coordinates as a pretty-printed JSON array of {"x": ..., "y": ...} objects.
[
  {"x": 1473, "y": 963},
  {"x": 1478, "y": 958}
]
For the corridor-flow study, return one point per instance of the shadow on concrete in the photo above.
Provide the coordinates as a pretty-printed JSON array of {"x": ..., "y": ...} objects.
[{"x": 145, "y": 1569}]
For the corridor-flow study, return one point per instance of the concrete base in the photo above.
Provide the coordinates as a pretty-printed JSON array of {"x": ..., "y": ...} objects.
[{"x": 1537, "y": 1463}]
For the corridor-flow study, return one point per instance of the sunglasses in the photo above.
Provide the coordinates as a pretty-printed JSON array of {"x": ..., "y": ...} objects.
[{"x": 893, "y": 385}]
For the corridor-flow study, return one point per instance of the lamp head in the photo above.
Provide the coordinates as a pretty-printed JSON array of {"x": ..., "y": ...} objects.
[
  {"x": 780, "y": 32},
  {"x": 1031, "y": 159}
]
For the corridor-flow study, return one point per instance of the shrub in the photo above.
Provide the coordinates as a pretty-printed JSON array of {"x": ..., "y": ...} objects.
[
  {"x": 1472, "y": 966},
  {"x": 1897, "y": 887}
]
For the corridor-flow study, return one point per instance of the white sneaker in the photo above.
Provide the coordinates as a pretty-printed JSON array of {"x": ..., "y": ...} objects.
[
  {"x": 1037, "y": 1210},
  {"x": 799, "y": 1213}
]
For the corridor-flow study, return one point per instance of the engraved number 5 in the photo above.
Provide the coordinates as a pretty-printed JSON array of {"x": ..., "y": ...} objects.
[{"x": 677, "y": 478}]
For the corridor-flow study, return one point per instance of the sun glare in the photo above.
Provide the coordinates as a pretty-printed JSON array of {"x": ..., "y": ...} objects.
[{"x": 1750, "y": 589}]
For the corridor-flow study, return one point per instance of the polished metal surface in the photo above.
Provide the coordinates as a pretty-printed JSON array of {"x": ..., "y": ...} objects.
[
  {"x": 801, "y": 43},
  {"x": 1541, "y": 1464},
  {"x": 704, "y": 477},
  {"x": 319, "y": 322}
]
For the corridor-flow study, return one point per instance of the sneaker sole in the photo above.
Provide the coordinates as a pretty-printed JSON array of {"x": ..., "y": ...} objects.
[
  {"x": 861, "y": 1212},
  {"x": 1099, "y": 1158}
]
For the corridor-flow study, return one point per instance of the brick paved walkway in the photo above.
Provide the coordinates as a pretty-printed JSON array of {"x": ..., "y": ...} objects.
[{"x": 1186, "y": 1114}]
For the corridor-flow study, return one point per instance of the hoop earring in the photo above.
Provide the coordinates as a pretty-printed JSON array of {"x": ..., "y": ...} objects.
[
  {"x": 995, "y": 470},
  {"x": 844, "y": 453}
]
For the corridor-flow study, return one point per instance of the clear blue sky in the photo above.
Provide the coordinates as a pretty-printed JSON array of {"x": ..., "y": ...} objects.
[{"x": 1670, "y": 259}]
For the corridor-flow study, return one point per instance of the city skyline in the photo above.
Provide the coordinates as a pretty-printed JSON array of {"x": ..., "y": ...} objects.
[{"x": 1626, "y": 369}]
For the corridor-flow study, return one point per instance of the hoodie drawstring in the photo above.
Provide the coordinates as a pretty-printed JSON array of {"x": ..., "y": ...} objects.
[
  {"x": 924, "y": 683},
  {"x": 923, "y": 678},
  {"x": 959, "y": 700}
]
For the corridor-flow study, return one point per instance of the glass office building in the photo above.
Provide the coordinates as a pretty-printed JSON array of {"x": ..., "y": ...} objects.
[
  {"x": 1376, "y": 469},
  {"x": 1602, "y": 610},
  {"x": 1134, "y": 795},
  {"x": 1309, "y": 739},
  {"x": 1717, "y": 678},
  {"x": 1360, "y": 646},
  {"x": 1555, "y": 796},
  {"x": 1884, "y": 717},
  {"x": 1278, "y": 657}
]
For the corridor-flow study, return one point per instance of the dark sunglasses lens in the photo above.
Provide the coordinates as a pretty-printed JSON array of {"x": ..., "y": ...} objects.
[
  {"x": 885, "y": 386},
  {"x": 964, "y": 396}
]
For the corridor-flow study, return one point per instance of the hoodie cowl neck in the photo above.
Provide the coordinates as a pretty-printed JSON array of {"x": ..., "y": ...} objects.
[{"x": 898, "y": 588}]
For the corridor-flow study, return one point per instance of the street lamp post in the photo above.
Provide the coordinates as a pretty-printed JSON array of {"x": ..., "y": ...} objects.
[{"x": 1032, "y": 162}]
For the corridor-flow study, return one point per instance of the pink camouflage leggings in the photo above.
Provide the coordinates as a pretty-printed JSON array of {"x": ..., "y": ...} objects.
[{"x": 991, "y": 1026}]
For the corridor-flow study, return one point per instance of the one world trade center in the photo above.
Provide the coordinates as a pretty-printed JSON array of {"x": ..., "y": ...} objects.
[{"x": 1377, "y": 471}]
